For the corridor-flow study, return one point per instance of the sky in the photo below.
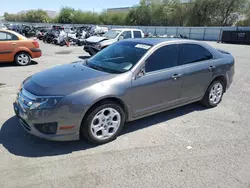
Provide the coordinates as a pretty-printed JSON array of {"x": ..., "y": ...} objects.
[{"x": 14, "y": 6}]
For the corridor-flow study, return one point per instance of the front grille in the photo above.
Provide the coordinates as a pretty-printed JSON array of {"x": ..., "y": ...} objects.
[{"x": 25, "y": 125}]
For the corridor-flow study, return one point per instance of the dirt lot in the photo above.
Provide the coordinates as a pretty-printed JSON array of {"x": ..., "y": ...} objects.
[{"x": 187, "y": 147}]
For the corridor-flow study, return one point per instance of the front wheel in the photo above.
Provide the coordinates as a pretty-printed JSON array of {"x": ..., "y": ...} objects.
[
  {"x": 22, "y": 59},
  {"x": 214, "y": 94},
  {"x": 103, "y": 123}
]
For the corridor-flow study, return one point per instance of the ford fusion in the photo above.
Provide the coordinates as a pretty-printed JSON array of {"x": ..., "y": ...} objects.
[{"x": 126, "y": 81}]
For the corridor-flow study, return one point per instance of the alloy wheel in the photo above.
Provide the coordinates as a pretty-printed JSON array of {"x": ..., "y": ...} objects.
[
  {"x": 216, "y": 93},
  {"x": 23, "y": 59},
  {"x": 105, "y": 123}
]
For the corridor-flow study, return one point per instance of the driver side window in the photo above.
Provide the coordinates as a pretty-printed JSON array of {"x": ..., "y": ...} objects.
[
  {"x": 126, "y": 34},
  {"x": 163, "y": 58}
]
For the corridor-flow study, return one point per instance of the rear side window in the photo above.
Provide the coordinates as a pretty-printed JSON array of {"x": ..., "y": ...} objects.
[
  {"x": 7, "y": 36},
  {"x": 165, "y": 57},
  {"x": 190, "y": 53},
  {"x": 137, "y": 34}
]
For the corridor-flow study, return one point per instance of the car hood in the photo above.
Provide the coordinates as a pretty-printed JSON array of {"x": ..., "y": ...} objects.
[
  {"x": 63, "y": 80},
  {"x": 108, "y": 42},
  {"x": 95, "y": 39}
]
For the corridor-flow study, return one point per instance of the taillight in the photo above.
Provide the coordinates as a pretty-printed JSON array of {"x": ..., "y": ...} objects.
[{"x": 35, "y": 43}]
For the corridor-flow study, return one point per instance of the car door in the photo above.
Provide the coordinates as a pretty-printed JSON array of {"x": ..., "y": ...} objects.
[
  {"x": 137, "y": 34},
  {"x": 126, "y": 34},
  {"x": 8, "y": 42},
  {"x": 197, "y": 66},
  {"x": 160, "y": 86}
]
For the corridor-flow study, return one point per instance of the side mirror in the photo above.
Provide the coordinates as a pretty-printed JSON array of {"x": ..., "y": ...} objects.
[
  {"x": 141, "y": 73},
  {"x": 121, "y": 38}
]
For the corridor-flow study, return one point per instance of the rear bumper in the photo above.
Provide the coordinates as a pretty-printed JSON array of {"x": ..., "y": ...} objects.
[{"x": 36, "y": 52}]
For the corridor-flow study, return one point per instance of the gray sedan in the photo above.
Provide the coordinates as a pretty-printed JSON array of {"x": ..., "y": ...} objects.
[{"x": 128, "y": 80}]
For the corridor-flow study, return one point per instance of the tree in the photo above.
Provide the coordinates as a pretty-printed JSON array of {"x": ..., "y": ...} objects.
[
  {"x": 31, "y": 16},
  {"x": 245, "y": 21},
  {"x": 66, "y": 15},
  {"x": 153, "y": 12},
  {"x": 38, "y": 16},
  {"x": 201, "y": 12},
  {"x": 227, "y": 12}
]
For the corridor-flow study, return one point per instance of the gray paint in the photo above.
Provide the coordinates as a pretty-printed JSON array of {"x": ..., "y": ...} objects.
[{"x": 81, "y": 87}]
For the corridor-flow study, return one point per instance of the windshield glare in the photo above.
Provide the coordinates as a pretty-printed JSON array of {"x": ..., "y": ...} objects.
[
  {"x": 111, "y": 34},
  {"x": 119, "y": 57}
]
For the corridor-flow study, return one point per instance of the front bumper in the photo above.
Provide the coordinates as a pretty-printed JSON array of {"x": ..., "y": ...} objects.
[
  {"x": 28, "y": 119},
  {"x": 91, "y": 49}
]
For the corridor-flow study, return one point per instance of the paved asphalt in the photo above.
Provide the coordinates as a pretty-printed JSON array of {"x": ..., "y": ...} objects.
[{"x": 187, "y": 147}]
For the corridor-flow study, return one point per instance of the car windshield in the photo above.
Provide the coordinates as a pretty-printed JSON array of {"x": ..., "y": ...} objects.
[
  {"x": 119, "y": 57},
  {"x": 111, "y": 34}
]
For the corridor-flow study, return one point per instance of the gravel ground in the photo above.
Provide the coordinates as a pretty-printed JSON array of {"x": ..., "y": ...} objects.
[{"x": 187, "y": 147}]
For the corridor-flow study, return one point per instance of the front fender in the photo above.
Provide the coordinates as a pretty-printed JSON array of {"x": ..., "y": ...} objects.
[{"x": 81, "y": 101}]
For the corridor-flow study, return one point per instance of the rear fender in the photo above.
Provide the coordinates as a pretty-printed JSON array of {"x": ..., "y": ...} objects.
[{"x": 21, "y": 49}]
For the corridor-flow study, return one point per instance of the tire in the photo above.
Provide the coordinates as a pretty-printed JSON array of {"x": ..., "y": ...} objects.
[
  {"x": 106, "y": 128},
  {"x": 79, "y": 43},
  {"x": 62, "y": 43},
  {"x": 22, "y": 59},
  {"x": 90, "y": 53},
  {"x": 214, "y": 94}
]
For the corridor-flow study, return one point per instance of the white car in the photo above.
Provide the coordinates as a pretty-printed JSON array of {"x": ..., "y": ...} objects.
[
  {"x": 96, "y": 43},
  {"x": 3, "y": 27}
]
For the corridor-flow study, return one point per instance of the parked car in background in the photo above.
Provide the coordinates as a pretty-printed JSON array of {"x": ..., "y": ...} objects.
[
  {"x": 57, "y": 27},
  {"x": 3, "y": 27},
  {"x": 126, "y": 81},
  {"x": 40, "y": 32},
  {"x": 96, "y": 43},
  {"x": 17, "y": 48},
  {"x": 14, "y": 27}
]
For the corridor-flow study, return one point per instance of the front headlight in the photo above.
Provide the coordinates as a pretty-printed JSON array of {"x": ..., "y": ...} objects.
[
  {"x": 98, "y": 46},
  {"x": 43, "y": 103}
]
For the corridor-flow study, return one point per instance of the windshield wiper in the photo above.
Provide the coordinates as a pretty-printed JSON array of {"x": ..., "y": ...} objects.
[
  {"x": 103, "y": 69},
  {"x": 96, "y": 67}
]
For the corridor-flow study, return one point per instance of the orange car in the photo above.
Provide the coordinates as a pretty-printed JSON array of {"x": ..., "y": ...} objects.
[{"x": 17, "y": 48}]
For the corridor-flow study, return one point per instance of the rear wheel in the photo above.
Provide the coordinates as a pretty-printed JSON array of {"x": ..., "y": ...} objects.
[
  {"x": 214, "y": 94},
  {"x": 103, "y": 123},
  {"x": 22, "y": 59}
]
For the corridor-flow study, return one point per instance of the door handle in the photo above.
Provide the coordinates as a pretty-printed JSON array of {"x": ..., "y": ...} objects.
[
  {"x": 176, "y": 76},
  {"x": 13, "y": 43},
  {"x": 211, "y": 68}
]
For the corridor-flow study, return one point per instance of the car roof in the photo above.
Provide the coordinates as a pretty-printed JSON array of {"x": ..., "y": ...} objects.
[
  {"x": 155, "y": 41},
  {"x": 158, "y": 41},
  {"x": 15, "y": 33},
  {"x": 126, "y": 29}
]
